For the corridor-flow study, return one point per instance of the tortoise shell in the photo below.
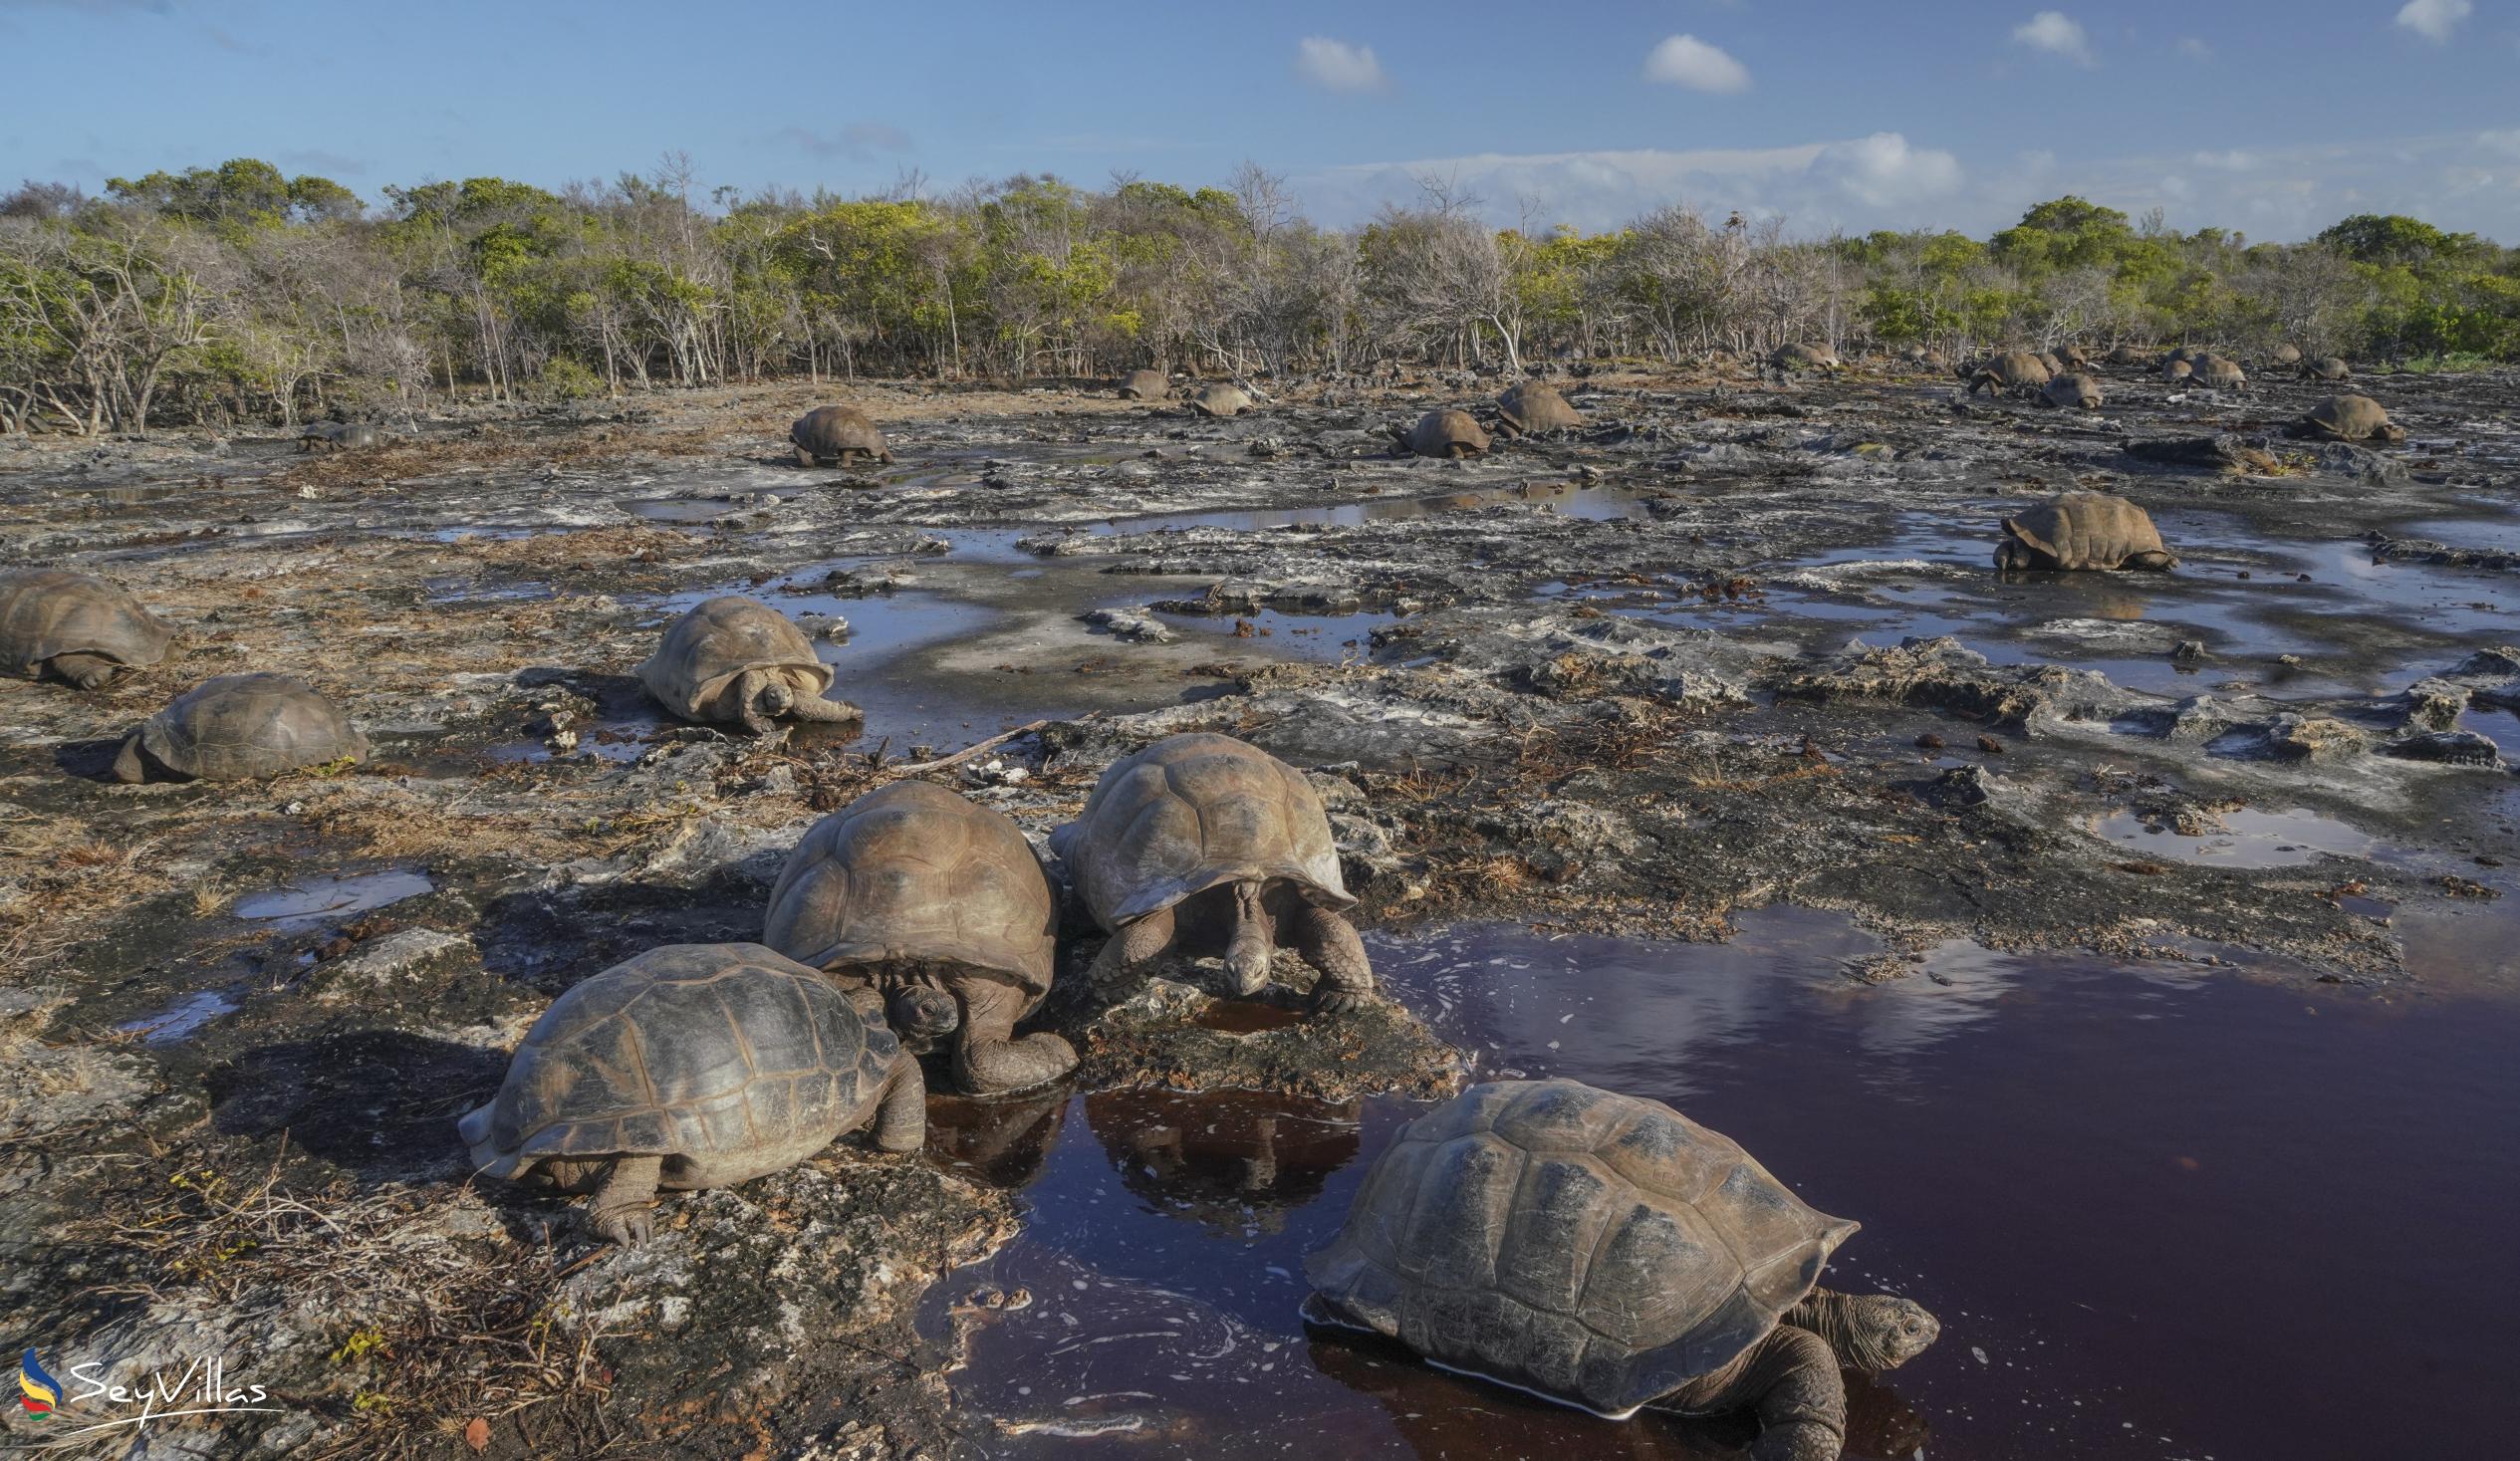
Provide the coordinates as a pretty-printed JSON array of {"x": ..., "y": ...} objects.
[
  {"x": 2016, "y": 369},
  {"x": 1446, "y": 433},
  {"x": 1533, "y": 406},
  {"x": 1145, "y": 386},
  {"x": 725, "y": 1056},
  {"x": 2217, "y": 374},
  {"x": 1220, "y": 400},
  {"x": 1596, "y": 1248},
  {"x": 1189, "y": 813},
  {"x": 237, "y": 727},
  {"x": 2074, "y": 389},
  {"x": 44, "y": 613},
  {"x": 2086, "y": 530},
  {"x": 838, "y": 432},
  {"x": 1803, "y": 358},
  {"x": 915, "y": 872},
  {"x": 2330, "y": 368},
  {"x": 2351, "y": 418},
  {"x": 720, "y": 639}
]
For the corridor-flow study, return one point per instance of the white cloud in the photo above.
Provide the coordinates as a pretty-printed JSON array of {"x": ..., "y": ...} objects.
[
  {"x": 2192, "y": 48},
  {"x": 2058, "y": 34},
  {"x": 1885, "y": 172},
  {"x": 2435, "y": 19},
  {"x": 2231, "y": 161},
  {"x": 1335, "y": 66},
  {"x": 2506, "y": 141},
  {"x": 1686, "y": 61}
]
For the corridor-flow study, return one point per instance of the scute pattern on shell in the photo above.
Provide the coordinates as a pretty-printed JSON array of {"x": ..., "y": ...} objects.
[
  {"x": 914, "y": 871},
  {"x": 237, "y": 727},
  {"x": 717, "y": 640},
  {"x": 1598, "y": 1248},
  {"x": 2351, "y": 419},
  {"x": 2087, "y": 530},
  {"x": 1221, "y": 400},
  {"x": 682, "y": 1051},
  {"x": 49, "y": 611},
  {"x": 1447, "y": 433},
  {"x": 834, "y": 430},
  {"x": 1192, "y": 811},
  {"x": 1146, "y": 384},
  {"x": 1534, "y": 406},
  {"x": 2019, "y": 369}
]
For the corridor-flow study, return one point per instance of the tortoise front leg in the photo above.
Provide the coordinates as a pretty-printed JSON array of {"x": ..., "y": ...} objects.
[
  {"x": 130, "y": 765},
  {"x": 1329, "y": 943},
  {"x": 901, "y": 1115},
  {"x": 812, "y": 704},
  {"x": 87, "y": 672},
  {"x": 805, "y": 458},
  {"x": 752, "y": 688},
  {"x": 618, "y": 1208},
  {"x": 988, "y": 1058},
  {"x": 1790, "y": 1380},
  {"x": 1140, "y": 942}
]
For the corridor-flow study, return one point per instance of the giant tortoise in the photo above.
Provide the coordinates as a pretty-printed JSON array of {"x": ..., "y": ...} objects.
[
  {"x": 2216, "y": 372},
  {"x": 2072, "y": 389},
  {"x": 1203, "y": 839},
  {"x": 1786, "y": 358},
  {"x": 1220, "y": 400},
  {"x": 1530, "y": 408},
  {"x": 837, "y": 434},
  {"x": 327, "y": 436},
  {"x": 1144, "y": 385},
  {"x": 738, "y": 658},
  {"x": 1608, "y": 1254},
  {"x": 75, "y": 628},
  {"x": 940, "y": 906},
  {"x": 239, "y": 727},
  {"x": 1444, "y": 433},
  {"x": 2013, "y": 371},
  {"x": 2348, "y": 418},
  {"x": 690, "y": 1065},
  {"x": 2083, "y": 529},
  {"x": 2326, "y": 367}
]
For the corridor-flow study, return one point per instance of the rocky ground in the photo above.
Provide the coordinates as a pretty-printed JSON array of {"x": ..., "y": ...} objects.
[{"x": 1735, "y": 644}]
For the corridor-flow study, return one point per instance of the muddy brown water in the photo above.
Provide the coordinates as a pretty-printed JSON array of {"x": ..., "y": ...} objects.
[{"x": 2162, "y": 1213}]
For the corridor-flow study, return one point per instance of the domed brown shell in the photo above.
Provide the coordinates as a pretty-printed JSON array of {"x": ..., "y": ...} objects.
[
  {"x": 2329, "y": 367},
  {"x": 1596, "y": 1248},
  {"x": 1446, "y": 433},
  {"x": 707, "y": 648},
  {"x": 1803, "y": 358},
  {"x": 1534, "y": 407},
  {"x": 2287, "y": 353},
  {"x": 2217, "y": 374},
  {"x": 1192, "y": 811},
  {"x": 836, "y": 433},
  {"x": 2351, "y": 418},
  {"x": 2018, "y": 370},
  {"x": 46, "y": 612},
  {"x": 1145, "y": 386},
  {"x": 716, "y": 1050},
  {"x": 913, "y": 872},
  {"x": 2126, "y": 354},
  {"x": 2072, "y": 389},
  {"x": 238, "y": 727},
  {"x": 2086, "y": 530},
  {"x": 1220, "y": 400}
]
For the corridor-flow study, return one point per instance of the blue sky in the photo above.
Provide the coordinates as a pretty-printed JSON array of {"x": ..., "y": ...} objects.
[{"x": 2274, "y": 117}]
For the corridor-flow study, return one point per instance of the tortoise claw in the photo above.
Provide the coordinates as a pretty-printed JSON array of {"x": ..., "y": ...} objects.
[
  {"x": 1329, "y": 1001},
  {"x": 628, "y": 1229}
]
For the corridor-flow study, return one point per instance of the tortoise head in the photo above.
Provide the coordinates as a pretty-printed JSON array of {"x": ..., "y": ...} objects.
[
  {"x": 1248, "y": 953},
  {"x": 1884, "y": 1331},
  {"x": 777, "y": 697},
  {"x": 921, "y": 1012},
  {"x": 2012, "y": 554}
]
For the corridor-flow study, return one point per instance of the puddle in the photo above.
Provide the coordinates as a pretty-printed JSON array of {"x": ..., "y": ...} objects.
[
  {"x": 1247, "y": 1016},
  {"x": 679, "y": 510},
  {"x": 314, "y": 900},
  {"x": 2247, "y": 839},
  {"x": 181, "y": 1018},
  {"x": 2059, "y": 1155},
  {"x": 455, "y": 589}
]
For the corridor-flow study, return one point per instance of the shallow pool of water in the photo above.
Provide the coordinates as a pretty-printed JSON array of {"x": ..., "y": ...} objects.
[
  {"x": 312, "y": 901},
  {"x": 2161, "y": 1214}
]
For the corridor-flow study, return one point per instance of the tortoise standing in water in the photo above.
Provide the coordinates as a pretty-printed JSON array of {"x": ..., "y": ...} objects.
[
  {"x": 1220, "y": 400},
  {"x": 1608, "y": 1253},
  {"x": 75, "y": 628},
  {"x": 738, "y": 658},
  {"x": 2074, "y": 389},
  {"x": 2013, "y": 371},
  {"x": 1529, "y": 408},
  {"x": 1144, "y": 385},
  {"x": 2348, "y": 418},
  {"x": 239, "y": 727},
  {"x": 691, "y": 1066},
  {"x": 1201, "y": 839},
  {"x": 837, "y": 435},
  {"x": 2083, "y": 529},
  {"x": 938, "y": 906},
  {"x": 1444, "y": 433}
]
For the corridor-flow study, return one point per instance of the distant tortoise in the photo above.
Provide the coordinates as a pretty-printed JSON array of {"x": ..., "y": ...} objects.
[
  {"x": 1203, "y": 839},
  {"x": 75, "y": 628},
  {"x": 2074, "y": 389},
  {"x": 1144, "y": 385},
  {"x": 2054, "y": 363},
  {"x": 2083, "y": 529},
  {"x": 738, "y": 658},
  {"x": 2348, "y": 418},
  {"x": 1444, "y": 433},
  {"x": 1220, "y": 400},
  {"x": 2013, "y": 371},
  {"x": 837, "y": 435},
  {"x": 2184, "y": 353},
  {"x": 694, "y": 1064},
  {"x": 940, "y": 906},
  {"x": 239, "y": 727},
  {"x": 323, "y": 437},
  {"x": 2286, "y": 354},
  {"x": 1786, "y": 358},
  {"x": 1530, "y": 409},
  {"x": 2215, "y": 372},
  {"x": 1608, "y": 1254},
  {"x": 2071, "y": 357},
  {"x": 2328, "y": 367},
  {"x": 2176, "y": 371},
  {"x": 2125, "y": 356}
]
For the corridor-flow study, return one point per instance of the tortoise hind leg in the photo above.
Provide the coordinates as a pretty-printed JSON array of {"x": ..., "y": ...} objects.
[
  {"x": 87, "y": 672},
  {"x": 900, "y": 1116},
  {"x": 1329, "y": 943},
  {"x": 988, "y": 1058},
  {"x": 618, "y": 1208}
]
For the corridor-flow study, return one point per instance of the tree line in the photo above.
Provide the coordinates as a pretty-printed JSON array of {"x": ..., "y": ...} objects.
[{"x": 234, "y": 294}]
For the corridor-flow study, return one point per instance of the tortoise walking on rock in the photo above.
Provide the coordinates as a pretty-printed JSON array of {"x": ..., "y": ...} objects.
[
  {"x": 2328, "y": 367},
  {"x": 324, "y": 436},
  {"x": 691, "y": 1066},
  {"x": 75, "y": 628},
  {"x": 2217, "y": 374},
  {"x": 1201, "y": 837},
  {"x": 1529, "y": 408},
  {"x": 939, "y": 905},
  {"x": 239, "y": 727},
  {"x": 2072, "y": 389},
  {"x": 1220, "y": 400},
  {"x": 1144, "y": 385},
  {"x": 1787, "y": 358},
  {"x": 2013, "y": 371},
  {"x": 1444, "y": 433},
  {"x": 2083, "y": 529},
  {"x": 2348, "y": 418},
  {"x": 738, "y": 658},
  {"x": 837, "y": 435},
  {"x": 1610, "y": 1254}
]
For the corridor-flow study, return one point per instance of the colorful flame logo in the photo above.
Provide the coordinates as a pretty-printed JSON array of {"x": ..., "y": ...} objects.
[{"x": 38, "y": 1392}]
